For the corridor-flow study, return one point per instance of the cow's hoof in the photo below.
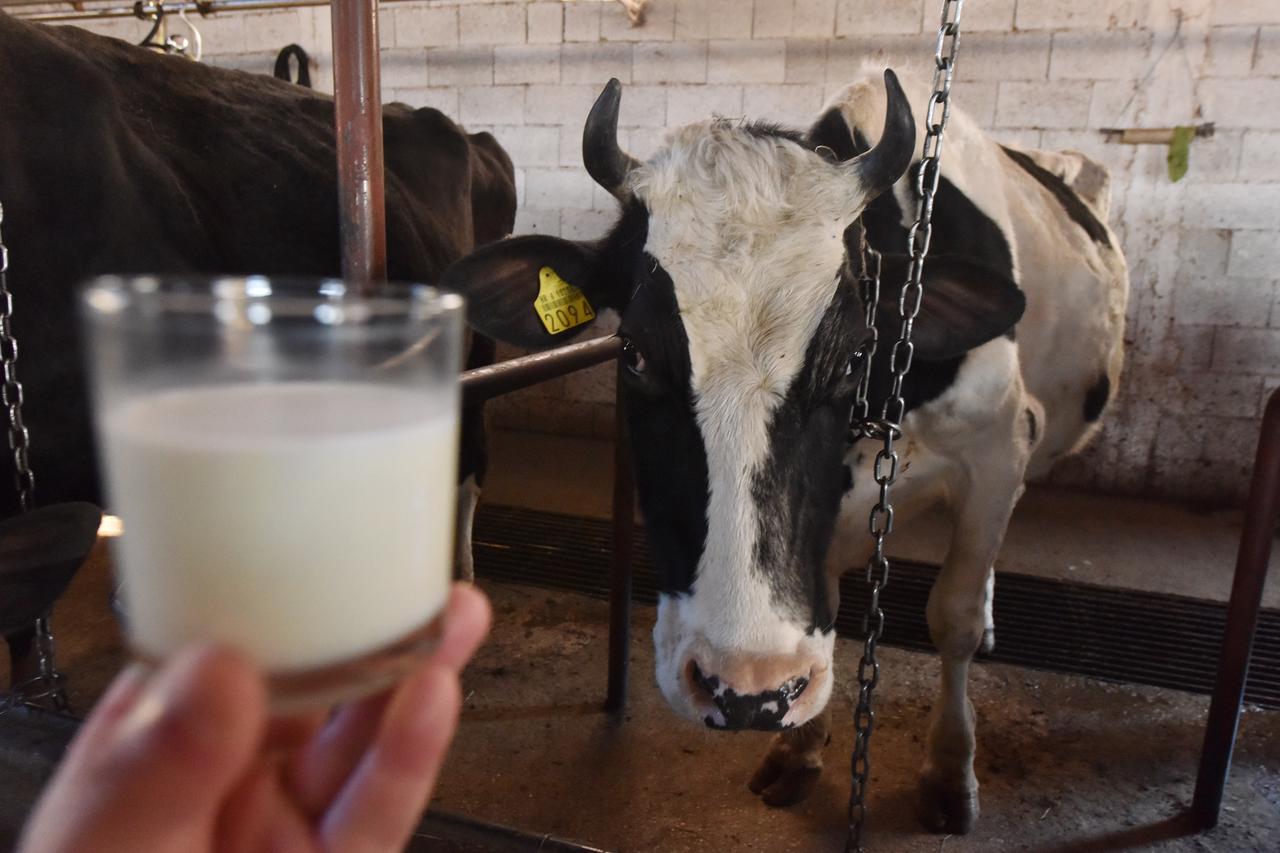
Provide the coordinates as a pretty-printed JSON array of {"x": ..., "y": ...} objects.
[
  {"x": 988, "y": 641},
  {"x": 782, "y": 781},
  {"x": 946, "y": 810}
]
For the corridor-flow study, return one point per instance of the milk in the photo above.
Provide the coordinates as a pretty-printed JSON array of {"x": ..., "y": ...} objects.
[{"x": 304, "y": 523}]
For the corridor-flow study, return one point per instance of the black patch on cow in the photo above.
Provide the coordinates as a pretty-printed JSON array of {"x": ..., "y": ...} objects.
[
  {"x": 848, "y": 480},
  {"x": 1095, "y": 399},
  {"x": 1033, "y": 429},
  {"x": 799, "y": 487},
  {"x": 666, "y": 443},
  {"x": 771, "y": 130},
  {"x": 1079, "y": 212},
  {"x": 748, "y": 711},
  {"x": 832, "y": 131}
]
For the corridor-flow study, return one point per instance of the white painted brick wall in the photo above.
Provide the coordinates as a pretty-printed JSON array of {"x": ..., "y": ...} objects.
[{"x": 1204, "y": 319}]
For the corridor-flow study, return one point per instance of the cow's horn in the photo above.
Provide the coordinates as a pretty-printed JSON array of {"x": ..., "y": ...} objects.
[
  {"x": 605, "y": 161},
  {"x": 881, "y": 166}
]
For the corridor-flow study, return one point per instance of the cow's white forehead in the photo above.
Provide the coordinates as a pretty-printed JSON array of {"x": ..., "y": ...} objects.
[{"x": 750, "y": 228}]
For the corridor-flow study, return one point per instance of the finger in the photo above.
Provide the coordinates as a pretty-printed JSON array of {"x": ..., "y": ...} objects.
[
  {"x": 260, "y": 814},
  {"x": 384, "y": 798},
  {"x": 185, "y": 740},
  {"x": 467, "y": 620},
  {"x": 319, "y": 771},
  {"x": 107, "y": 713}
]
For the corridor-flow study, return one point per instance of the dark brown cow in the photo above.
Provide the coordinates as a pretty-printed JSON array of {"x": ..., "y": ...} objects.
[{"x": 114, "y": 159}]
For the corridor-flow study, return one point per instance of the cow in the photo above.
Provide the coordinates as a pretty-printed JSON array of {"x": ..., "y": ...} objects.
[
  {"x": 732, "y": 270},
  {"x": 114, "y": 159}
]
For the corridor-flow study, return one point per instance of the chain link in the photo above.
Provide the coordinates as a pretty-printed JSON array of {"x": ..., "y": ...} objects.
[
  {"x": 11, "y": 388},
  {"x": 888, "y": 429}
]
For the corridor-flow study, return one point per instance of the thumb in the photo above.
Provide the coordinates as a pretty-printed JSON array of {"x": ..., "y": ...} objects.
[{"x": 155, "y": 777}]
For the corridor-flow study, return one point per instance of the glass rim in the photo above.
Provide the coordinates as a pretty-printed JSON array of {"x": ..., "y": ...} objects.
[{"x": 111, "y": 295}]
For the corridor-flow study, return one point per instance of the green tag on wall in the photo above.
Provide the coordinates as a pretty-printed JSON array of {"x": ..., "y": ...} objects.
[{"x": 1180, "y": 151}]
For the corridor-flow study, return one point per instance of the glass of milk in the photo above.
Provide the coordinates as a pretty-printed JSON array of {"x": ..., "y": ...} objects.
[{"x": 283, "y": 456}]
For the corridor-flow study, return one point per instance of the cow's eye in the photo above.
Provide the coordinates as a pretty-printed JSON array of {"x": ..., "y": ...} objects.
[
  {"x": 633, "y": 359},
  {"x": 857, "y": 362}
]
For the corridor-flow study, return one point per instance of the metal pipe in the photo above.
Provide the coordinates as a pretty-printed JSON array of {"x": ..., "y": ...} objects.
[
  {"x": 357, "y": 110},
  {"x": 620, "y": 574},
  {"x": 1261, "y": 515},
  {"x": 128, "y": 11},
  {"x": 484, "y": 383}
]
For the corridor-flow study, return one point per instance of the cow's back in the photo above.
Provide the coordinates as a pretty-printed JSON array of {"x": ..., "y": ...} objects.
[
  {"x": 116, "y": 159},
  {"x": 1038, "y": 217}
]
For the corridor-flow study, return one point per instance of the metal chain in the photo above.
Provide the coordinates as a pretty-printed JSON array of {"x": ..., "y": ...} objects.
[
  {"x": 889, "y": 428},
  {"x": 11, "y": 388}
]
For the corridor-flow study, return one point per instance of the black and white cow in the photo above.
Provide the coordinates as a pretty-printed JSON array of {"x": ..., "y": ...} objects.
[{"x": 731, "y": 270}]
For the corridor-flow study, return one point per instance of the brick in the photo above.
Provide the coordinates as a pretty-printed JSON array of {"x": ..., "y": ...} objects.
[
  {"x": 814, "y": 19},
  {"x": 498, "y": 24},
  {"x": 1233, "y": 205},
  {"x": 1113, "y": 102},
  {"x": 403, "y": 68},
  {"x": 530, "y": 146},
  {"x": 906, "y": 54},
  {"x": 978, "y": 100},
  {"x": 644, "y": 142},
  {"x": 1248, "y": 104},
  {"x": 1246, "y": 350},
  {"x": 228, "y": 25},
  {"x": 793, "y": 105},
  {"x": 1043, "y": 105},
  {"x": 1079, "y": 14},
  {"x": 988, "y": 16},
  {"x": 1203, "y": 252},
  {"x": 687, "y": 104},
  {"x": 386, "y": 28},
  {"x": 526, "y": 63},
  {"x": 563, "y": 104},
  {"x": 491, "y": 105},
  {"x": 460, "y": 66},
  {"x": 659, "y": 22},
  {"x": 1227, "y": 12},
  {"x": 1180, "y": 438},
  {"x": 1266, "y": 58},
  {"x": 806, "y": 61},
  {"x": 1222, "y": 301},
  {"x": 531, "y": 221},
  {"x": 692, "y": 19},
  {"x": 875, "y": 17},
  {"x": 571, "y": 144},
  {"x": 773, "y": 19},
  {"x": 425, "y": 26},
  {"x": 1260, "y": 155},
  {"x": 595, "y": 63},
  {"x": 1255, "y": 254},
  {"x": 582, "y": 21},
  {"x": 1005, "y": 56},
  {"x": 670, "y": 62},
  {"x": 757, "y": 61},
  {"x": 270, "y": 31},
  {"x": 442, "y": 98},
  {"x": 558, "y": 188},
  {"x": 519, "y": 181},
  {"x": 643, "y": 106},
  {"x": 729, "y": 19},
  {"x": 1211, "y": 394},
  {"x": 1229, "y": 51},
  {"x": 1189, "y": 348},
  {"x": 1115, "y": 55},
  {"x": 586, "y": 224},
  {"x": 545, "y": 23}
]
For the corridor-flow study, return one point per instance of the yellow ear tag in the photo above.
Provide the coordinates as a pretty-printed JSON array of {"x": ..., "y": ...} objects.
[{"x": 560, "y": 305}]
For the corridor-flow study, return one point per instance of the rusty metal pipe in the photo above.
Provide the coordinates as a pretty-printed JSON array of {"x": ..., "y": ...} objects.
[
  {"x": 620, "y": 575},
  {"x": 1261, "y": 515},
  {"x": 484, "y": 383},
  {"x": 357, "y": 109}
]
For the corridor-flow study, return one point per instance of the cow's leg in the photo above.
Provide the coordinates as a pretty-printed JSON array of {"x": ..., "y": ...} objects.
[
  {"x": 958, "y": 616},
  {"x": 468, "y": 496},
  {"x": 791, "y": 767}
]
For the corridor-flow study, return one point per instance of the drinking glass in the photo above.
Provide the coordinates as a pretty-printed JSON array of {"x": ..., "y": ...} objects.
[{"x": 282, "y": 454}]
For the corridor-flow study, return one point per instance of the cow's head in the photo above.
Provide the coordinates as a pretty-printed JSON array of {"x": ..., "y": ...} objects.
[{"x": 730, "y": 269}]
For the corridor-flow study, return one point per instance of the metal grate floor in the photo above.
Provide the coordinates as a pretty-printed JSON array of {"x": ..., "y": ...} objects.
[{"x": 1117, "y": 635}]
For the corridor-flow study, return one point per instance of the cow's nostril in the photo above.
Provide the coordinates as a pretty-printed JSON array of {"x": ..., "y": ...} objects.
[
  {"x": 791, "y": 690},
  {"x": 704, "y": 685}
]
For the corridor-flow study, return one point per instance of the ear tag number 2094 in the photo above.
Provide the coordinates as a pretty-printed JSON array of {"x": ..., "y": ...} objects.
[{"x": 559, "y": 304}]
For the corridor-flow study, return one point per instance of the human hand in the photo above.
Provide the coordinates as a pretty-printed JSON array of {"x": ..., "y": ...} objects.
[{"x": 186, "y": 759}]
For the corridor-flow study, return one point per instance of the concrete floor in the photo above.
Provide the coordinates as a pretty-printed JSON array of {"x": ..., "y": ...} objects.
[{"x": 1066, "y": 763}]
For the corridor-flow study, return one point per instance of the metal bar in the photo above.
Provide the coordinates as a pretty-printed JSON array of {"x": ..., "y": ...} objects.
[
  {"x": 170, "y": 7},
  {"x": 620, "y": 574},
  {"x": 1261, "y": 514},
  {"x": 475, "y": 834},
  {"x": 485, "y": 383},
  {"x": 357, "y": 109}
]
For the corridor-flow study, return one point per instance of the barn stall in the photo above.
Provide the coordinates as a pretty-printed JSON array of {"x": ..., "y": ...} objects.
[{"x": 1115, "y": 573}]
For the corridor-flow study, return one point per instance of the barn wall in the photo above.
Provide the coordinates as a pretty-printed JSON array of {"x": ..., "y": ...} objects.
[{"x": 1204, "y": 319}]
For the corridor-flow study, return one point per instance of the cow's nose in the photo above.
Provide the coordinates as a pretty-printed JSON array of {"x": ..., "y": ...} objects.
[{"x": 726, "y": 708}]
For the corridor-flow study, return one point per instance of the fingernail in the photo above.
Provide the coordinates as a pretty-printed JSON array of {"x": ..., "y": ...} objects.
[{"x": 167, "y": 693}]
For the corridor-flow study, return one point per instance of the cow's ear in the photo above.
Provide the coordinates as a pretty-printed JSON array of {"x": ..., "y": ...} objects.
[
  {"x": 831, "y": 132},
  {"x": 965, "y": 305},
  {"x": 503, "y": 281}
]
